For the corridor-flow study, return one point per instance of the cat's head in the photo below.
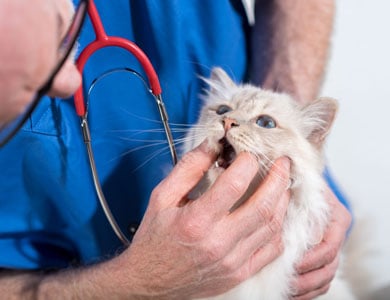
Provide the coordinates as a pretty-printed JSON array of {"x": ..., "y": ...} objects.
[{"x": 239, "y": 118}]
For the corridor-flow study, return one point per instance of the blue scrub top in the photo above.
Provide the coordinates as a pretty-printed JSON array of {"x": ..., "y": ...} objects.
[
  {"x": 50, "y": 216},
  {"x": 49, "y": 212}
]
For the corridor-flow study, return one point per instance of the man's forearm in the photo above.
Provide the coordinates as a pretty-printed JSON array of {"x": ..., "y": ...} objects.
[
  {"x": 293, "y": 43},
  {"x": 101, "y": 281},
  {"x": 39, "y": 285}
]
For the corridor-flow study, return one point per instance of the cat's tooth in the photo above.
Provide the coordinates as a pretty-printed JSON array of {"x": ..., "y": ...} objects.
[
  {"x": 216, "y": 164},
  {"x": 290, "y": 183}
]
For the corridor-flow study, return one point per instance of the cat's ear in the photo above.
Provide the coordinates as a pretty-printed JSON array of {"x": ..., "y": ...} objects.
[
  {"x": 219, "y": 83},
  {"x": 318, "y": 119},
  {"x": 219, "y": 76}
]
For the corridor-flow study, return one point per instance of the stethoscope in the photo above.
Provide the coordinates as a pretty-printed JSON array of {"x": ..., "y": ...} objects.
[{"x": 103, "y": 40}]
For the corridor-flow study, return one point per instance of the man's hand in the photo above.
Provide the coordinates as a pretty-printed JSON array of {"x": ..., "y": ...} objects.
[
  {"x": 183, "y": 248},
  {"x": 319, "y": 265},
  {"x": 201, "y": 248}
]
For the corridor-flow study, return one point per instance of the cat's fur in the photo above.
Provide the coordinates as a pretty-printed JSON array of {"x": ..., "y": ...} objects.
[{"x": 299, "y": 134}]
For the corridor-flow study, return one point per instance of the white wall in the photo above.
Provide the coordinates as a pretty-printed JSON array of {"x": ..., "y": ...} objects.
[{"x": 359, "y": 147}]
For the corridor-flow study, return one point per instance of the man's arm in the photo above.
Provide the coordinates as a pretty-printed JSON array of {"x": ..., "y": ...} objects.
[
  {"x": 290, "y": 45},
  {"x": 181, "y": 251},
  {"x": 291, "y": 38}
]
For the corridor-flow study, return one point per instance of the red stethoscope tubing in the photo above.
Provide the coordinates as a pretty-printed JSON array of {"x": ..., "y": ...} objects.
[{"x": 103, "y": 40}]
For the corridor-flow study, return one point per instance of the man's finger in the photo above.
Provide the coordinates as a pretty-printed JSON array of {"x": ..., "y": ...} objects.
[
  {"x": 268, "y": 195},
  {"x": 231, "y": 184},
  {"x": 316, "y": 279},
  {"x": 187, "y": 173},
  {"x": 334, "y": 236}
]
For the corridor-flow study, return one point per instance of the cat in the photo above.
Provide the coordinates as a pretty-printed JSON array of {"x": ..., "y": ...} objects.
[{"x": 242, "y": 117}]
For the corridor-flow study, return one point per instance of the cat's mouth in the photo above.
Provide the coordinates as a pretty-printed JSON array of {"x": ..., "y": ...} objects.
[{"x": 227, "y": 154}]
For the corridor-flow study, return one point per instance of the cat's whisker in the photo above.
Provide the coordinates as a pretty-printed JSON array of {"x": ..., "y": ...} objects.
[
  {"x": 279, "y": 174},
  {"x": 152, "y": 130},
  {"x": 269, "y": 125},
  {"x": 148, "y": 143},
  {"x": 189, "y": 138},
  {"x": 158, "y": 121},
  {"x": 141, "y": 147},
  {"x": 144, "y": 131},
  {"x": 160, "y": 151},
  {"x": 188, "y": 125},
  {"x": 129, "y": 113},
  {"x": 134, "y": 132},
  {"x": 129, "y": 139},
  {"x": 266, "y": 163}
]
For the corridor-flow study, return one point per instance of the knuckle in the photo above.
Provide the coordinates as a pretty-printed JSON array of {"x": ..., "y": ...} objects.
[
  {"x": 279, "y": 246},
  {"x": 275, "y": 225},
  {"x": 263, "y": 211},
  {"x": 324, "y": 289},
  {"x": 298, "y": 288},
  {"x": 347, "y": 218},
  {"x": 190, "y": 158},
  {"x": 344, "y": 214},
  {"x": 301, "y": 297},
  {"x": 228, "y": 266},
  {"x": 304, "y": 285},
  {"x": 156, "y": 193},
  {"x": 335, "y": 264},
  {"x": 331, "y": 254},
  {"x": 156, "y": 196},
  {"x": 239, "y": 277},
  {"x": 192, "y": 229},
  {"x": 236, "y": 187},
  {"x": 329, "y": 273},
  {"x": 212, "y": 251}
]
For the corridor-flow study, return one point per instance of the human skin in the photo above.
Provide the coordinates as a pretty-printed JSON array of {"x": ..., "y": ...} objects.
[
  {"x": 318, "y": 267},
  {"x": 31, "y": 52},
  {"x": 182, "y": 251},
  {"x": 173, "y": 254},
  {"x": 298, "y": 36}
]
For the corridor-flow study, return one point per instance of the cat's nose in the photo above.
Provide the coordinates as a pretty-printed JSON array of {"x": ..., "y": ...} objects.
[{"x": 229, "y": 123}]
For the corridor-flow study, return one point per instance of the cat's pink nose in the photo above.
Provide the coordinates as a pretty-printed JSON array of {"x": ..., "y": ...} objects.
[{"x": 229, "y": 123}]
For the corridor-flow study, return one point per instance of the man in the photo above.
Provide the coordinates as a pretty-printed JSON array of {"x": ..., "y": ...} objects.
[
  {"x": 28, "y": 56},
  {"x": 54, "y": 221}
]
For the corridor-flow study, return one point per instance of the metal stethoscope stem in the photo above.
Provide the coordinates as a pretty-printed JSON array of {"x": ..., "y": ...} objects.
[{"x": 103, "y": 40}]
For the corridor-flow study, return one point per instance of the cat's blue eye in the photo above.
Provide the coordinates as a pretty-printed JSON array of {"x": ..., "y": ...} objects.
[
  {"x": 266, "y": 122},
  {"x": 223, "y": 109}
]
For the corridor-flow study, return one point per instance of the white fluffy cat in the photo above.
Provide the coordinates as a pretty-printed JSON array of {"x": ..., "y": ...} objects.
[{"x": 239, "y": 118}]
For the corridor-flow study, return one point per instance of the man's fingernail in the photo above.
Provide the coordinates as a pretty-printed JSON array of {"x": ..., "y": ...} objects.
[
  {"x": 290, "y": 183},
  {"x": 286, "y": 163}
]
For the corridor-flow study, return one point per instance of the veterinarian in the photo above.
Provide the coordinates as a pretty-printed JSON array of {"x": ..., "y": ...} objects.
[{"x": 51, "y": 220}]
